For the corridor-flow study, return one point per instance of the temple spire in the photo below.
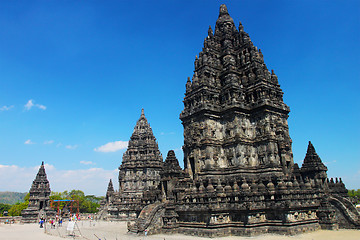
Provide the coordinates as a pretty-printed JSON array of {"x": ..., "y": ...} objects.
[
  {"x": 110, "y": 187},
  {"x": 171, "y": 162},
  {"x": 142, "y": 145},
  {"x": 39, "y": 197},
  {"x": 311, "y": 155},
  {"x": 312, "y": 166},
  {"x": 41, "y": 175}
]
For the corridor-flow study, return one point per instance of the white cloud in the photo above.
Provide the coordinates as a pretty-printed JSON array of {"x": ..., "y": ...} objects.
[
  {"x": 87, "y": 162},
  {"x": 91, "y": 181},
  {"x": 331, "y": 162},
  {"x": 167, "y": 133},
  {"x": 112, "y": 146},
  {"x": 41, "y": 106},
  {"x": 72, "y": 147},
  {"x": 6, "y": 108},
  {"x": 28, "y": 142},
  {"x": 30, "y": 104},
  {"x": 178, "y": 149},
  {"x": 49, "y": 142}
]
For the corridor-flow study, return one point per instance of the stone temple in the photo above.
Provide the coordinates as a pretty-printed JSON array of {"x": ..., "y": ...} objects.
[
  {"x": 139, "y": 175},
  {"x": 239, "y": 177},
  {"x": 39, "y": 199}
]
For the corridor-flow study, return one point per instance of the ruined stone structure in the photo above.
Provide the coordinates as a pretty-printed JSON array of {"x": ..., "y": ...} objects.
[
  {"x": 39, "y": 200},
  {"x": 239, "y": 176},
  {"x": 139, "y": 175}
]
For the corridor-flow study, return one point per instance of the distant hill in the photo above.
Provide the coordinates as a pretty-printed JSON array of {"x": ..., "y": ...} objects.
[{"x": 11, "y": 197}]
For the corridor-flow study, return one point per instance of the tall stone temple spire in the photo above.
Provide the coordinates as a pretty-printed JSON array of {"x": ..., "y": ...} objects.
[
  {"x": 139, "y": 173},
  {"x": 39, "y": 199},
  {"x": 142, "y": 149},
  {"x": 234, "y": 107}
]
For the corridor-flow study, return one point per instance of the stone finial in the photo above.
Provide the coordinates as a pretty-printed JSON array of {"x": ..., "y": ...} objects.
[
  {"x": 295, "y": 183},
  {"x": 201, "y": 187},
  {"x": 224, "y": 16},
  {"x": 227, "y": 187},
  {"x": 236, "y": 186},
  {"x": 241, "y": 27},
  {"x": 219, "y": 187},
  {"x": 254, "y": 186},
  {"x": 194, "y": 189},
  {"x": 210, "y": 32},
  {"x": 223, "y": 10},
  {"x": 142, "y": 112},
  {"x": 245, "y": 186},
  {"x": 261, "y": 186},
  {"x": 210, "y": 187},
  {"x": 270, "y": 186},
  {"x": 260, "y": 54},
  {"x": 281, "y": 186}
]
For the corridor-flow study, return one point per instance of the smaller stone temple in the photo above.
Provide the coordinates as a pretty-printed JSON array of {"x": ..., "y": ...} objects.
[
  {"x": 39, "y": 201},
  {"x": 139, "y": 175}
]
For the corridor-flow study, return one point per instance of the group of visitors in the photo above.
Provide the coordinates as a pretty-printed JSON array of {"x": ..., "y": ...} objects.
[
  {"x": 11, "y": 221},
  {"x": 52, "y": 222}
]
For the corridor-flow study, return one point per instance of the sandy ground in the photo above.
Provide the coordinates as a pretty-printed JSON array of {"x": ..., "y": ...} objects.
[{"x": 118, "y": 231}]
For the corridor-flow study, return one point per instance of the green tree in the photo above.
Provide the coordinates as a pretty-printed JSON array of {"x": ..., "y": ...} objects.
[
  {"x": 16, "y": 209},
  {"x": 26, "y": 198},
  {"x": 87, "y": 203},
  {"x": 3, "y": 208},
  {"x": 354, "y": 195}
]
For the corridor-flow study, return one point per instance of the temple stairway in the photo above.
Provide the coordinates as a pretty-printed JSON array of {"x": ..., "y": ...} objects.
[
  {"x": 102, "y": 214},
  {"x": 148, "y": 216},
  {"x": 349, "y": 216}
]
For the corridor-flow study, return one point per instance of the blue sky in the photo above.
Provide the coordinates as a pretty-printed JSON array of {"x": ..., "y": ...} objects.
[{"x": 74, "y": 76}]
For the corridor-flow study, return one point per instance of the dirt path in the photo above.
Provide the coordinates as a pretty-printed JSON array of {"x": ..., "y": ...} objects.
[{"x": 118, "y": 230}]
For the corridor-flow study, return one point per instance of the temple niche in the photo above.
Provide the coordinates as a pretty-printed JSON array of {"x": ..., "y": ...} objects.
[
  {"x": 39, "y": 199},
  {"x": 239, "y": 176}
]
